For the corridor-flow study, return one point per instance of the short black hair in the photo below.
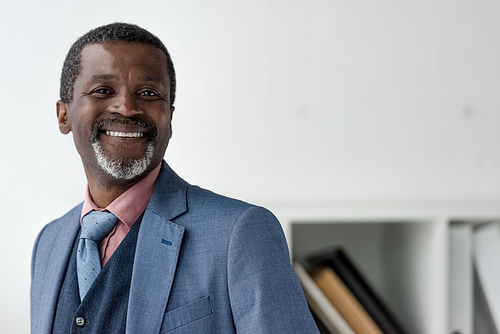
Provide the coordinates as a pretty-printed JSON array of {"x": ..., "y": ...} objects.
[{"x": 106, "y": 34}]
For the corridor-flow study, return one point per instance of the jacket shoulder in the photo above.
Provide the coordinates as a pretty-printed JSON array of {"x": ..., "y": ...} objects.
[
  {"x": 51, "y": 230},
  {"x": 208, "y": 198},
  {"x": 56, "y": 224}
]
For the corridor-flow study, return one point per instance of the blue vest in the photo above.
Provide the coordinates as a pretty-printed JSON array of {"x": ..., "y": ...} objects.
[{"x": 104, "y": 308}]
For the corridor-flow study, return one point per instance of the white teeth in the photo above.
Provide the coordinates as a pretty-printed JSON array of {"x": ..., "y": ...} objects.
[{"x": 125, "y": 134}]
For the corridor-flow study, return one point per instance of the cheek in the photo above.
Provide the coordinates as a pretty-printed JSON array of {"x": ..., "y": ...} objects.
[
  {"x": 81, "y": 127},
  {"x": 164, "y": 126},
  {"x": 84, "y": 116},
  {"x": 79, "y": 132},
  {"x": 81, "y": 139},
  {"x": 163, "y": 138}
]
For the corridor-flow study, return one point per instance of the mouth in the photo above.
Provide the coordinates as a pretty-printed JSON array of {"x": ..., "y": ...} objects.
[
  {"x": 124, "y": 134},
  {"x": 124, "y": 128}
]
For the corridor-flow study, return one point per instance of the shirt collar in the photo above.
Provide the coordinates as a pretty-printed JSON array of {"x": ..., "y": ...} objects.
[{"x": 129, "y": 205}]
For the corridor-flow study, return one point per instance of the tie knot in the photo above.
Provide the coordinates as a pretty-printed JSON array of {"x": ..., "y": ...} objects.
[{"x": 96, "y": 225}]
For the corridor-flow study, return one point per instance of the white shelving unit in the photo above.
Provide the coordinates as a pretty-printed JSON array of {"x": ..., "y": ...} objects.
[{"x": 403, "y": 250}]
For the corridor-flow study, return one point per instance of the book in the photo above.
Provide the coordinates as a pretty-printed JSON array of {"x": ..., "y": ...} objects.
[
  {"x": 319, "y": 323},
  {"x": 338, "y": 261},
  {"x": 483, "y": 321},
  {"x": 344, "y": 301},
  {"x": 461, "y": 272},
  {"x": 320, "y": 305},
  {"x": 486, "y": 260}
]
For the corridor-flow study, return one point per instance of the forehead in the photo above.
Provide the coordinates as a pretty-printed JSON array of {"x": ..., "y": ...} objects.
[{"x": 123, "y": 57}]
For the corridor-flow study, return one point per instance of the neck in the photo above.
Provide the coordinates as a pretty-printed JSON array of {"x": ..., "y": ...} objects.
[
  {"x": 103, "y": 196},
  {"x": 106, "y": 189}
]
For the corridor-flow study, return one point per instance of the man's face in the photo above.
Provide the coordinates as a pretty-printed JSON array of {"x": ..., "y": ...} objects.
[{"x": 120, "y": 114}]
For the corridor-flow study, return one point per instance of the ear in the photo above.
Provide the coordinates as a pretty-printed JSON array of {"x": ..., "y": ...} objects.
[
  {"x": 172, "y": 108},
  {"x": 63, "y": 117}
]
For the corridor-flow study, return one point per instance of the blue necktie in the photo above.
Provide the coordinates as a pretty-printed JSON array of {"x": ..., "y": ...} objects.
[{"x": 95, "y": 226}]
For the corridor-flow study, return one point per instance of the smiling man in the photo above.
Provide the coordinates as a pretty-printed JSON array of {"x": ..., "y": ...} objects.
[
  {"x": 121, "y": 101},
  {"x": 146, "y": 252}
]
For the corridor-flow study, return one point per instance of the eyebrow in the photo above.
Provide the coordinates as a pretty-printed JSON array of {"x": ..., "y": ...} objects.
[
  {"x": 150, "y": 78},
  {"x": 103, "y": 77},
  {"x": 147, "y": 78}
]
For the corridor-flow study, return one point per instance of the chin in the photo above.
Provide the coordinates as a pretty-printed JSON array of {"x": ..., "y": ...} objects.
[{"x": 120, "y": 168}]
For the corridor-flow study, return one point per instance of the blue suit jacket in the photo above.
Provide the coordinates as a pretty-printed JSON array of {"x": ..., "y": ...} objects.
[{"x": 204, "y": 263}]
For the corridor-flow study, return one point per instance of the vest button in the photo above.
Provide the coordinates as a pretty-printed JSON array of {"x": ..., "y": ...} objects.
[{"x": 80, "y": 321}]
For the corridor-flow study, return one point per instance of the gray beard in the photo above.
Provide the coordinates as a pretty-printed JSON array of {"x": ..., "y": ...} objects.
[{"x": 119, "y": 169}]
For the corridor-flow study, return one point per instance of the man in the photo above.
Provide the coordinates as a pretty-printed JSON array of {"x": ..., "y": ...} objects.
[{"x": 171, "y": 257}]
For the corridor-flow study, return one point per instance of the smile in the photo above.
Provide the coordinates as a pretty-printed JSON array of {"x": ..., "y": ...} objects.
[{"x": 125, "y": 134}]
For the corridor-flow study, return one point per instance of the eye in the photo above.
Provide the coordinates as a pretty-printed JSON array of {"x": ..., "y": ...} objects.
[
  {"x": 102, "y": 91},
  {"x": 148, "y": 93}
]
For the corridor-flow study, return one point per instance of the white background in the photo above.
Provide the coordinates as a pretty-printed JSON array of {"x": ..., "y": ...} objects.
[{"x": 279, "y": 101}]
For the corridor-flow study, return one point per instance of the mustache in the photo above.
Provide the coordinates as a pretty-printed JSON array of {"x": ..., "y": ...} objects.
[{"x": 151, "y": 128}]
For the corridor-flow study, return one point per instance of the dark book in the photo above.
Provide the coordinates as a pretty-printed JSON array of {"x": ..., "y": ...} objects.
[
  {"x": 345, "y": 270},
  {"x": 321, "y": 326},
  {"x": 318, "y": 302}
]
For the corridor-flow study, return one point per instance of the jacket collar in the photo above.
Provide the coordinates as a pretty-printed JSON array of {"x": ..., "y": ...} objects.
[
  {"x": 169, "y": 197},
  {"x": 157, "y": 252}
]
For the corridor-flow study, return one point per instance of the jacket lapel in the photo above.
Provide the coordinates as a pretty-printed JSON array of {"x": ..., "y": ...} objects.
[
  {"x": 56, "y": 261},
  {"x": 158, "y": 246}
]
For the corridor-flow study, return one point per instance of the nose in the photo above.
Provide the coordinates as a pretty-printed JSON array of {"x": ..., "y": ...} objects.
[{"x": 126, "y": 105}]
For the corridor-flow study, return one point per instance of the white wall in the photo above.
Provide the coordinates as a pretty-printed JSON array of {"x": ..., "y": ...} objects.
[{"x": 278, "y": 102}]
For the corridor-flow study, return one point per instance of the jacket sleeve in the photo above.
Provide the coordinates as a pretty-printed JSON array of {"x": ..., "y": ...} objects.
[
  {"x": 33, "y": 254},
  {"x": 264, "y": 291}
]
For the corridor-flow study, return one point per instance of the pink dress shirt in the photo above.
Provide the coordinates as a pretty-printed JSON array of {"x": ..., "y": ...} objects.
[{"x": 127, "y": 207}]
